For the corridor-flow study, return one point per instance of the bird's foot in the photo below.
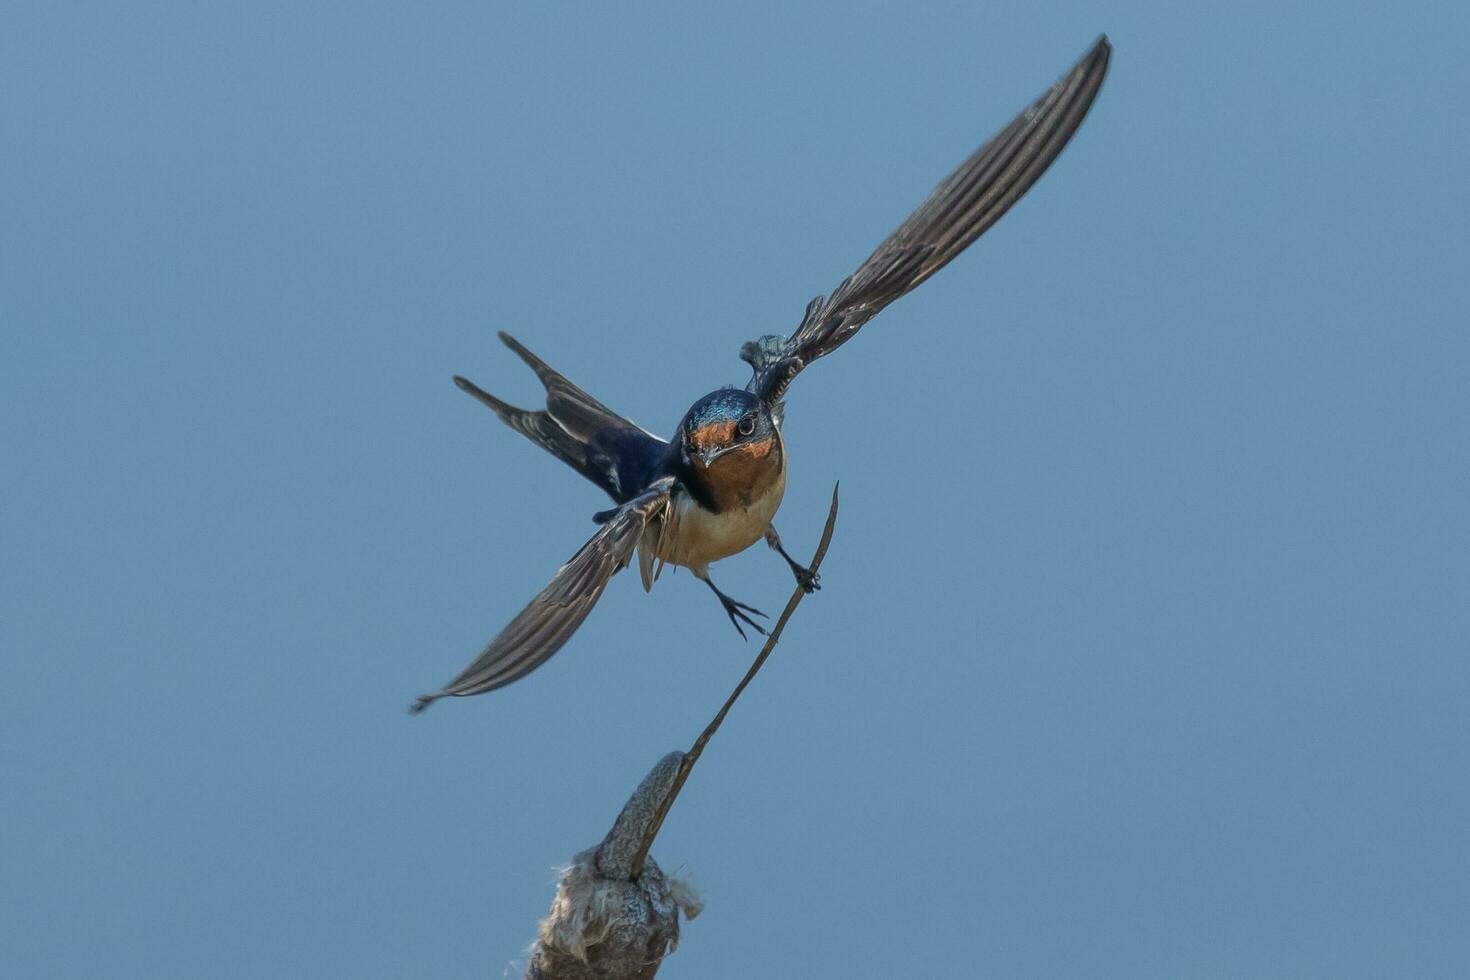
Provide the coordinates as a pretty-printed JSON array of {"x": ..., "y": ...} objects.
[
  {"x": 737, "y": 611},
  {"x": 809, "y": 580}
]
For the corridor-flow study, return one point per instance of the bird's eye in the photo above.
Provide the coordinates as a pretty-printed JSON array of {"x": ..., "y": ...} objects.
[{"x": 746, "y": 425}]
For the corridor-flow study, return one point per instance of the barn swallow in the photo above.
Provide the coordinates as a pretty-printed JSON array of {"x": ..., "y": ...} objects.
[{"x": 713, "y": 489}]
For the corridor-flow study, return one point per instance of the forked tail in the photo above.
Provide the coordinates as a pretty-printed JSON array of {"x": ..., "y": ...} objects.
[{"x": 608, "y": 449}]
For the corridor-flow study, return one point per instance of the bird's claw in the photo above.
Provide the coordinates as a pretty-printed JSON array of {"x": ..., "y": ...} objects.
[
  {"x": 809, "y": 580},
  {"x": 737, "y": 611}
]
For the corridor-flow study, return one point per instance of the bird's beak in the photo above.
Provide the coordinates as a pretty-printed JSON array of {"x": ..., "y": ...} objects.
[{"x": 708, "y": 456}]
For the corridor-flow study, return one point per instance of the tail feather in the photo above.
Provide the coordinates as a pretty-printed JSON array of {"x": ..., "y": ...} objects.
[
  {"x": 575, "y": 410},
  {"x": 539, "y": 427},
  {"x": 606, "y": 448},
  {"x": 517, "y": 418}
]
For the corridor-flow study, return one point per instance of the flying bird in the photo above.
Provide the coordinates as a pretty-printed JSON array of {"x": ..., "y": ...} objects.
[{"x": 712, "y": 490}]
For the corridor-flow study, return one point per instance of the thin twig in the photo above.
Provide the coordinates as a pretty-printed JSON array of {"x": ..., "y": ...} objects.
[{"x": 692, "y": 756}]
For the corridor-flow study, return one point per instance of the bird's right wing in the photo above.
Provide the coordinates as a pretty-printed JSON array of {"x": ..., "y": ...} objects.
[{"x": 553, "y": 616}]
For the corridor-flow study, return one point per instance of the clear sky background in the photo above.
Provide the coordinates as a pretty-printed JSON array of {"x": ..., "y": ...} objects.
[{"x": 1143, "y": 647}]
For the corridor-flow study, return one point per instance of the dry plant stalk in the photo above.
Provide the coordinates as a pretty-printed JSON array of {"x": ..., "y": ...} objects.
[
  {"x": 692, "y": 756},
  {"x": 616, "y": 914}
]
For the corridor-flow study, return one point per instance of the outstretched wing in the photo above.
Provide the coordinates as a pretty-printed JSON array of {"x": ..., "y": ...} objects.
[
  {"x": 958, "y": 211},
  {"x": 553, "y": 616}
]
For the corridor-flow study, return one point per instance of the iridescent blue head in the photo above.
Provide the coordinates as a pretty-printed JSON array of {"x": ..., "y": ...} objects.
[{"x": 724, "y": 422}]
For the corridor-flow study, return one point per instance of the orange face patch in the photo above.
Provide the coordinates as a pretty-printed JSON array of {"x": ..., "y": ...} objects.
[
  {"x": 757, "y": 449},
  {"x": 713, "y": 435}
]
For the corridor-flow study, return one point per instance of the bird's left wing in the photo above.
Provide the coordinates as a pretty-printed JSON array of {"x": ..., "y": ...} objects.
[
  {"x": 958, "y": 211},
  {"x": 553, "y": 616}
]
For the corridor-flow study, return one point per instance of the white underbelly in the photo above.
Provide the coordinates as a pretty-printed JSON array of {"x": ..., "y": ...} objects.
[{"x": 704, "y": 536}]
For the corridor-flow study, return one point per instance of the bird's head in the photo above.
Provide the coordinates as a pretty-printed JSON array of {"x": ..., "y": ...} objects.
[{"x": 726, "y": 427}]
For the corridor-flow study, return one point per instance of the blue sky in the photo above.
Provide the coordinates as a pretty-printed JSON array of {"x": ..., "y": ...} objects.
[{"x": 1143, "y": 645}]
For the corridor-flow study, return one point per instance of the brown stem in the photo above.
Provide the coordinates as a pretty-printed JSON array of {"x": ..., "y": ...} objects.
[{"x": 692, "y": 756}]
